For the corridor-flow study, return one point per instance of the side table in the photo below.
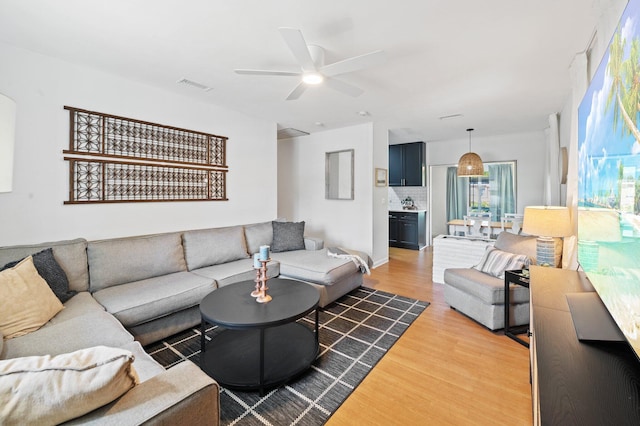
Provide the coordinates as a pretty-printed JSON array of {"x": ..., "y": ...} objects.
[{"x": 518, "y": 277}]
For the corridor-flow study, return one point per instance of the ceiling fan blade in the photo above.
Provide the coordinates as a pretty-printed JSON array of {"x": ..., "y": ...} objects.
[
  {"x": 266, "y": 72},
  {"x": 294, "y": 39},
  {"x": 354, "y": 64},
  {"x": 295, "y": 93},
  {"x": 341, "y": 86}
]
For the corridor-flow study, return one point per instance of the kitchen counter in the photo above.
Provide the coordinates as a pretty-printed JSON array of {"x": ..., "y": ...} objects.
[{"x": 407, "y": 210}]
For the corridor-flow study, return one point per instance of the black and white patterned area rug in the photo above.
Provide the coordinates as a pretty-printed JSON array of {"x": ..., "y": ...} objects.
[{"x": 355, "y": 333}]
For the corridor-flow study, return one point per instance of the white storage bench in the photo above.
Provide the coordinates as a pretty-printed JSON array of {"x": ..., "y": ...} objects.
[{"x": 456, "y": 252}]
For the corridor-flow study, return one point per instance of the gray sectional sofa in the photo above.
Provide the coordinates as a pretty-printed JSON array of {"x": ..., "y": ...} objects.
[{"x": 137, "y": 290}]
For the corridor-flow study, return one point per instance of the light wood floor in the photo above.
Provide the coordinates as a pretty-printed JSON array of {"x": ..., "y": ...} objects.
[{"x": 445, "y": 370}]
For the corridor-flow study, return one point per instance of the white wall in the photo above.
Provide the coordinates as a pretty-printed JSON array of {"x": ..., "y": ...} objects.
[
  {"x": 301, "y": 190},
  {"x": 380, "y": 202},
  {"x": 34, "y": 211}
]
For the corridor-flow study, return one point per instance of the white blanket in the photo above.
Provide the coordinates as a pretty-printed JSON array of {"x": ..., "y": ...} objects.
[{"x": 342, "y": 253}]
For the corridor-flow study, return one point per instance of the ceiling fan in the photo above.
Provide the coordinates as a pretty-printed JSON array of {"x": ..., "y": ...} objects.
[{"x": 313, "y": 70}]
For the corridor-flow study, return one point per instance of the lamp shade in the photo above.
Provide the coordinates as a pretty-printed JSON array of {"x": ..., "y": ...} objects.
[
  {"x": 547, "y": 221},
  {"x": 470, "y": 164},
  {"x": 7, "y": 133}
]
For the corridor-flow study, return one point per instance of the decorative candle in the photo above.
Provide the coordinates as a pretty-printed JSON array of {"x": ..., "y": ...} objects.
[
  {"x": 256, "y": 260},
  {"x": 264, "y": 252}
]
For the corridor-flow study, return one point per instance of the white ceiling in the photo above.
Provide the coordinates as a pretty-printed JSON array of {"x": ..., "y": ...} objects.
[{"x": 502, "y": 64}]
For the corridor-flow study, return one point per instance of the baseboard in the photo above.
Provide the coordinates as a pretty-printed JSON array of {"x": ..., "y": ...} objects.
[{"x": 380, "y": 262}]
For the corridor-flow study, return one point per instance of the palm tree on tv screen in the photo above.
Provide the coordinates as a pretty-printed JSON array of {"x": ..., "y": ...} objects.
[{"x": 624, "y": 93}]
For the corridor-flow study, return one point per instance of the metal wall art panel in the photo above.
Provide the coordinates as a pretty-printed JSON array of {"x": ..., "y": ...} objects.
[{"x": 118, "y": 159}]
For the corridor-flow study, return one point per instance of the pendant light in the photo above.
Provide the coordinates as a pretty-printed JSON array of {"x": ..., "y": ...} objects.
[{"x": 470, "y": 164}]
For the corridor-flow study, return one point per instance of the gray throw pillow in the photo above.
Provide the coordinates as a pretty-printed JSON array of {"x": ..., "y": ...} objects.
[
  {"x": 51, "y": 271},
  {"x": 287, "y": 236}
]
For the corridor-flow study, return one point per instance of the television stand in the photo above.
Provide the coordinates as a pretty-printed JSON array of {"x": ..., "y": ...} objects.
[{"x": 574, "y": 382}]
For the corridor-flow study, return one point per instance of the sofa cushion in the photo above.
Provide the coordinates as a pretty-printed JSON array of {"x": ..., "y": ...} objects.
[
  {"x": 207, "y": 247},
  {"x": 146, "y": 367},
  {"x": 52, "y": 389},
  {"x": 258, "y": 234},
  {"x": 314, "y": 266},
  {"x": 145, "y": 300},
  {"x": 519, "y": 244},
  {"x": 69, "y": 335},
  {"x": 485, "y": 287},
  {"x": 71, "y": 255},
  {"x": 49, "y": 269},
  {"x": 26, "y": 301},
  {"x": 287, "y": 236},
  {"x": 80, "y": 304},
  {"x": 495, "y": 262},
  {"x": 124, "y": 260},
  {"x": 233, "y": 272}
]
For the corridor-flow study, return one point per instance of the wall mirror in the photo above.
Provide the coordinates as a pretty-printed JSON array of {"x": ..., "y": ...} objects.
[{"x": 339, "y": 175}]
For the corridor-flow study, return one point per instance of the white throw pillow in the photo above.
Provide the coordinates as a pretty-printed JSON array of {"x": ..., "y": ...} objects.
[
  {"x": 495, "y": 262},
  {"x": 53, "y": 389}
]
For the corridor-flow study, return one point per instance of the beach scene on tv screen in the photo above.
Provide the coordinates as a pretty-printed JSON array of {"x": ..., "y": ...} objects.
[{"x": 609, "y": 177}]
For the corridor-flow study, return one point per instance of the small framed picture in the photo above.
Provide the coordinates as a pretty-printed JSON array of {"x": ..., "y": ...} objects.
[{"x": 381, "y": 177}]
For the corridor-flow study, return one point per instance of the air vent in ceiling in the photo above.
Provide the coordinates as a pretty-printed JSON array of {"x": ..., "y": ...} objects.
[
  {"x": 290, "y": 132},
  {"x": 194, "y": 84}
]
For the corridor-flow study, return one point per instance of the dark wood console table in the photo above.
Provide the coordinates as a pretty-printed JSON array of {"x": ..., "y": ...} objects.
[{"x": 573, "y": 382}]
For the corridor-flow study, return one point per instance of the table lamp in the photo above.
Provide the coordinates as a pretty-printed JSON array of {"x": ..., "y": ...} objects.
[{"x": 549, "y": 223}]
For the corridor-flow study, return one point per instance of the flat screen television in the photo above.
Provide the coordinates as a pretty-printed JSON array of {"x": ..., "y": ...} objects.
[{"x": 608, "y": 177}]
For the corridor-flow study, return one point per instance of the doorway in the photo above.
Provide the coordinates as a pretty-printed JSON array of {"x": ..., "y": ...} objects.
[{"x": 495, "y": 193}]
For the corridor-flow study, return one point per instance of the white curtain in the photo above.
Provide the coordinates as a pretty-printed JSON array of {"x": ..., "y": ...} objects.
[
  {"x": 551, "y": 193},
  {"x": 580, "y": 80}
]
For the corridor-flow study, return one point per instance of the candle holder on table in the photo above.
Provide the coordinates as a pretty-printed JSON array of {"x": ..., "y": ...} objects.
[{"x": 260, "y": 292}]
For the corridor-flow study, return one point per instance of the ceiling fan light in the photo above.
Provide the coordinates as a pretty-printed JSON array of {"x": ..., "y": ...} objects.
[{"x": 312, "y": 78}]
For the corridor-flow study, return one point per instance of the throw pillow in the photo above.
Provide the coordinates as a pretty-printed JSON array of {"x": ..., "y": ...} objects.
[
  {"x": 495, "y": 262},
  {"x": 26, "y": 301},
  {"x": 287, "y": 236},
  {"x": 53, "y": 389},
  {"x": 49, "y": 269}
]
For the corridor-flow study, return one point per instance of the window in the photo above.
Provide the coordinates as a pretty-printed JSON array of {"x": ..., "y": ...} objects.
[{"x": 494, "y": 192}]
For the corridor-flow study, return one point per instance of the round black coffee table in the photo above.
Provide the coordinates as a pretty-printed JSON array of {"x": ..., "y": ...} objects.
[{"x": 262, "y": 345}]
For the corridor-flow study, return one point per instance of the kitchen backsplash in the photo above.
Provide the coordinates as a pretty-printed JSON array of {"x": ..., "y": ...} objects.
[{"x": 398, "y": 193}]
